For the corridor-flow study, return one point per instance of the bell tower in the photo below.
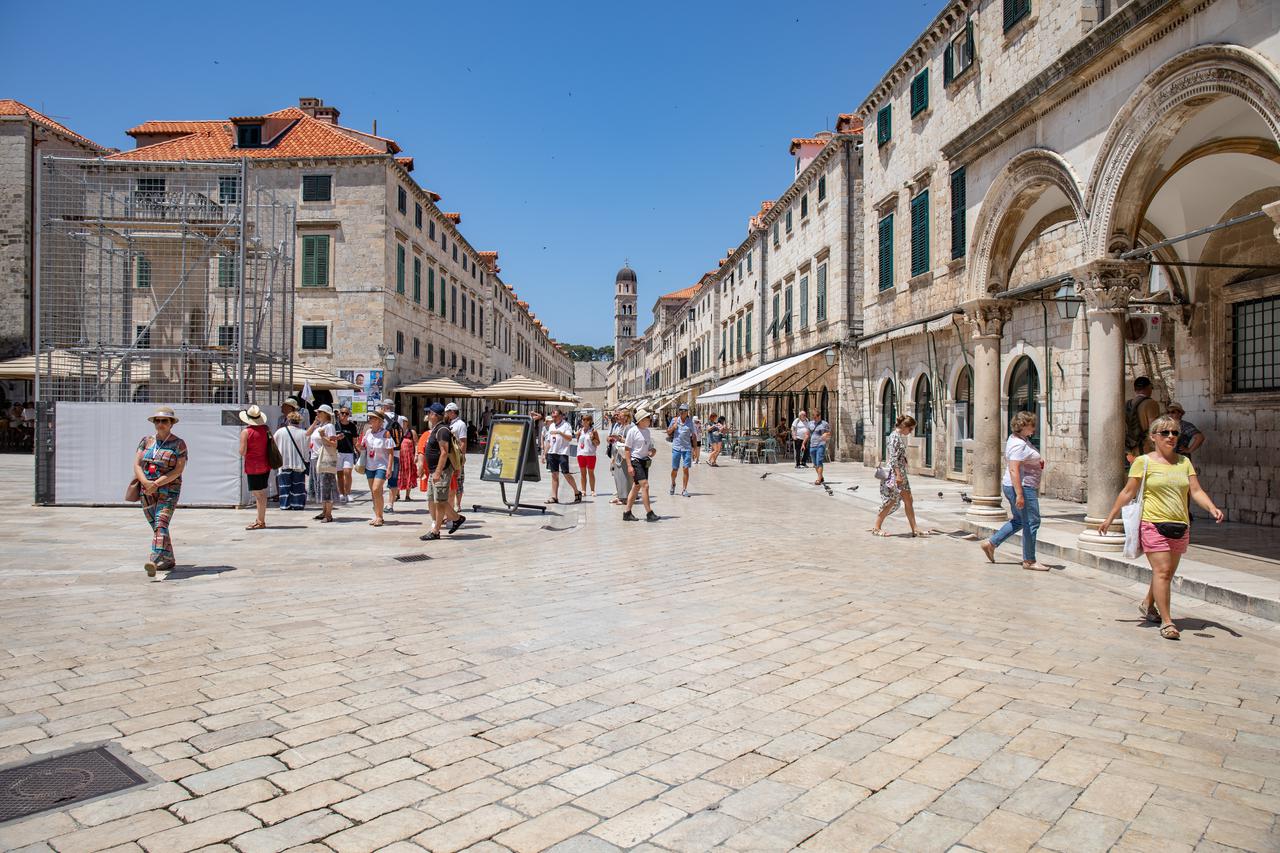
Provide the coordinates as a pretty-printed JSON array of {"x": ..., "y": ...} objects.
[{"x": 624, "y": 310}]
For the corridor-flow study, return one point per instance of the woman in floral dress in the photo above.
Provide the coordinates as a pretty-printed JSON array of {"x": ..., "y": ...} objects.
[
  {"x": 158, "y": 467},
  {"x": 896, "y": 488}
]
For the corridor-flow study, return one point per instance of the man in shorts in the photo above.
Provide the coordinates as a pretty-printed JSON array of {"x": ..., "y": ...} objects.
[
  {"x": 458, "y": 427},
  {"x": 559, "y": 437},
  {"x": 683, "y": 433},
  {"x": 819, "y": 432},
  {"x": 434, "y": 465}
]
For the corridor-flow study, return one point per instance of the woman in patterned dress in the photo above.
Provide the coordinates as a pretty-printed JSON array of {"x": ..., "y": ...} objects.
[
  {"x": 896, "y": 488},
  {"x": 407, "y": 463},
  {"x": 158, "y": 466}
]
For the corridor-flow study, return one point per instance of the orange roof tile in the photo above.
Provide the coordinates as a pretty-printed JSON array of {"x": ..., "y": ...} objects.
[
  {"x": 812, "y": 140},
  {"x": 152, "y": 127},
  {"x": 407, "y": 162},
  {"x": 455, "y": 218},
  {"x": 10, "y": 107},
  {"x": 683, "y": 293},
  {"x": 848, "y": 123},
  {"x": 306, "y": 137}
]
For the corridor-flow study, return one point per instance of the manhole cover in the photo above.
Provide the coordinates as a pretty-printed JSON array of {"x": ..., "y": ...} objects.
[
  {"x": 63, "y": 780},
  {"x": 412, "y": 558}
]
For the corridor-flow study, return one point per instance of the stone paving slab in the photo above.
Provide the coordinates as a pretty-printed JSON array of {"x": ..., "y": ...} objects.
[{"x": 751, "y": 673}]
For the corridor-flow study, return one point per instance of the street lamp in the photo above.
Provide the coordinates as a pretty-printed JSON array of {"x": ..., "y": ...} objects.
[
  {"x": 387, "y": 357},
  {"x": 829, "y": 356},
  {"x": 1068, "y": 306}
]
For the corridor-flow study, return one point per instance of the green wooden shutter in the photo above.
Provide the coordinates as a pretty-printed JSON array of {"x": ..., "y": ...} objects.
[
  {"x": 748, "y": 333},
  {"x": 959, "y": 237},
  {"x": 822, "y": 188},
  {"x": 788, "y": 220},
  {"x": 776, "y": 326},
  {"x": 949, "y": 64},
  {"x": 884, "y": 124},
  {"x": 804, "y": 301},
  {"x": 920, "y": 93},
  {"x": 1014, "y": 11},
  {"x": 886, "y": 252},
  {"x": 144, "y": 272},
  {"x": 399, "y": 269},
  {"x": 417, "y": 280},
  {"x": 315, "y": 261},
  {"x": 920, "y": 234},
  {"x": 822, "y": 293},
  {"x": 444, "y": 291}
]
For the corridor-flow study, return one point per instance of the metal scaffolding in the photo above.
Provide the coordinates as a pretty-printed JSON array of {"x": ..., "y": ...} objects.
[{"x": 160, "y": 282}]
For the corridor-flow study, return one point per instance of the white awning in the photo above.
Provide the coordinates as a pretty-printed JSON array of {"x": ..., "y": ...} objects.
[{"x": 731, "y": 391}]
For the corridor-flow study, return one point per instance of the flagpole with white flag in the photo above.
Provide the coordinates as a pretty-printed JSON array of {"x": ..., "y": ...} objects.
[{"x": 308, "y": 394}]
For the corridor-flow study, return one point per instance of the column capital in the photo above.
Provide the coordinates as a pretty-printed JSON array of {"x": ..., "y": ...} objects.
[
  {"x": 987, "y": 316},
  {"x": 1273, "y": 210},
  {"x": 1108, "y": 284}
]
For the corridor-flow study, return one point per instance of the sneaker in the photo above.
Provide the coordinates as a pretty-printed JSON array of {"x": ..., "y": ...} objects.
[
  {"x": 457, "y": 523},
  {"x": 685, "y": 493},
  {"x": 650, "y": 516},
  {"x": 390, "y": 508},
  {"x": 627, "y": 516},
  {"x": 672, "y": 492}
]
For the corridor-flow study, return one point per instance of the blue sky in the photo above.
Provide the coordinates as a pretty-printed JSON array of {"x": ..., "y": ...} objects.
[{"x": 570, "y": 136}]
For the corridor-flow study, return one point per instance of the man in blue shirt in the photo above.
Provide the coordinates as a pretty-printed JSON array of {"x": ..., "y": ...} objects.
[{"x": 683, "y": 432}]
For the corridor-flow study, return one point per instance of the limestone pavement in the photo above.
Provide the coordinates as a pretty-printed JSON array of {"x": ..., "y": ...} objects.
[{"x": 751, "y": 673}]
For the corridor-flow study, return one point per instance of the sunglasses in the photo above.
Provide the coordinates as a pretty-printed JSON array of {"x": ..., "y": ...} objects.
[
  {"x": 161, "y": 421},
  {"x": 1167, "y": 433}
]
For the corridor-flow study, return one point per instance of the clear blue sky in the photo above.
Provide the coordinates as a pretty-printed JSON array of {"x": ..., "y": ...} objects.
[{"x": 570, "y": 135}]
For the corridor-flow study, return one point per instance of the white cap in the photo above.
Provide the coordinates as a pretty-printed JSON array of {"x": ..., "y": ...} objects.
[{"x": 451, "y": 407}]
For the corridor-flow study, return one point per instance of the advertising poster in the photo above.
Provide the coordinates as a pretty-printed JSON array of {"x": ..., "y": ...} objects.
[
  {"x": 508, "y": 454},
  {"x": 370, "y": 390},
  {"x": 342, "y": 399}
]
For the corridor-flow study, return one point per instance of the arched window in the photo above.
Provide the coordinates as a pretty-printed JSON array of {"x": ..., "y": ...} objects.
[
  {"x": 1024, "y": 393},
  {"x": 888, "y": 414},
  {"x": 924, "y": 416}
]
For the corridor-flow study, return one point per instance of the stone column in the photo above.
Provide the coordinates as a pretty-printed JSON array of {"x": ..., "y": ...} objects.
[
  {"x": 987, "y": 318},
  {"x": 1106, "y": 285}
]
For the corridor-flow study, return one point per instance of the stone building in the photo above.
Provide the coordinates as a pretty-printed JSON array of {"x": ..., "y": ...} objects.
[
  {"x": 1028, "y": 159},
  {"x": 590, "y": 382},
  {"x": 25, "y": 136},
  {"x": 385, "y": 278}
]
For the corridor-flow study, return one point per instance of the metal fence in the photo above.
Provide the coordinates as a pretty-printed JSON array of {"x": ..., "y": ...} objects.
[{"x": 159, "y": 282}]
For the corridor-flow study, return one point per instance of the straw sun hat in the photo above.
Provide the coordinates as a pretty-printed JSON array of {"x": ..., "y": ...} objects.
[
  {"x": 253, "y": 417},
  {"x": 164, "y": 412}
]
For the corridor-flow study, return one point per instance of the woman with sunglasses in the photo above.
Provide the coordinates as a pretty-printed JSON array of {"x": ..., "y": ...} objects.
[
  {"x": 158, "y": 465},
  {"x": 1166, "y": 519}
]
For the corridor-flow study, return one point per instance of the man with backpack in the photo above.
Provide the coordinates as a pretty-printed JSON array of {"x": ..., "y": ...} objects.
[
  {"x": 437, "y": 464},
  {"x": 1139, "y": 411}
]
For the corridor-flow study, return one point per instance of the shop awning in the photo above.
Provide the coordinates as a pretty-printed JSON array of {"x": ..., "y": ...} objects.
[
  {"x": 525, "y": 388},
  {"x": 440, "y": 386},
  {"x": 731, "y": 391}
]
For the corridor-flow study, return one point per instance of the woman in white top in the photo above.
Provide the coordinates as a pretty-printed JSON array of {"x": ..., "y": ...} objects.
[
  {"x": 588, "y": 441},
  {"x": 377, "y": 444},
  {"x": 617, "y": 459},
  {"x": 291, "y": 480},
  {"x": 1021, "y": 489}
]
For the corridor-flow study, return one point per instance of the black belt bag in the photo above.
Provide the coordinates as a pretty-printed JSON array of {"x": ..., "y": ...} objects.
[{"x": 1171, "y": 529}]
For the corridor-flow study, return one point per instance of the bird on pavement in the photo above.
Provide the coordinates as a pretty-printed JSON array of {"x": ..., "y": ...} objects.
[
  {"x": 852, "y": 489},
  {"x": 939, "y": 494},
  {"x": 964, "y": 496},
  {"x": 765, "y": 474}
]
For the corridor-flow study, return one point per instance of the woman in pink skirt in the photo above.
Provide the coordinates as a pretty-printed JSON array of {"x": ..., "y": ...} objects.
[{"x": 407, "y": 463}]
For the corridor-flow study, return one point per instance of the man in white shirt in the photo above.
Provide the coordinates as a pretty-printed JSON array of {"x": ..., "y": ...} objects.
[
  {"x": 458, "y": 427},
  {"x": 799, "y": 438},
  {"x": 638, "y": 450},
  {"x": 559, "y": 437}
]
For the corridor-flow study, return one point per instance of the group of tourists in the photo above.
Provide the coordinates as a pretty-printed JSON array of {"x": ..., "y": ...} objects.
[{"x": 17, "y": 425}]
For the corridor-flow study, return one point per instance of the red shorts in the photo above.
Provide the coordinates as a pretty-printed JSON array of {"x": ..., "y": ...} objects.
[
  {"x": 1153, "y": 540},
  {"x": 587, "y": 463}
]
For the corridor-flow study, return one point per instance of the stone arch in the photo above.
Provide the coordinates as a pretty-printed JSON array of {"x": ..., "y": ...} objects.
[
  {"x": 1130, "y": 155},
  {"x": 1022, "y": 181}
]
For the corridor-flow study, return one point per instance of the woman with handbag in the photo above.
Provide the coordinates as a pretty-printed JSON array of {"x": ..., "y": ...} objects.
[
  {"x": 157, "y": 471},
  {"x": 291, "y": 479},
  {"x": 1161, "y": 481},
  {"x": 617, "y": 459},
  {"x": 895, "y": 488},
  {"x": 324, "y": 437},
  {"x": 1021, "y": 486},
  {"x": 257, "y": 450}
]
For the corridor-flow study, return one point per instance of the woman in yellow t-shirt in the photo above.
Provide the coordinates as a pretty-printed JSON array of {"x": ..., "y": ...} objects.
[{"x": 1166, "y": 519}]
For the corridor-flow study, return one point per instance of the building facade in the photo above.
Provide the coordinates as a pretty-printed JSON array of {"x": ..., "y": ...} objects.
[
  {"x": 1061, "y": 197},
  {"x": 25, "y": 136},
  {"x": 385, "y": 279}
]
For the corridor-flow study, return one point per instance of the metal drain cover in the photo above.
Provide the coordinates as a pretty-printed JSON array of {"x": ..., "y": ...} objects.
[
  {"x": 412, "y": 558},
  {"x": 61, "y": 780}
]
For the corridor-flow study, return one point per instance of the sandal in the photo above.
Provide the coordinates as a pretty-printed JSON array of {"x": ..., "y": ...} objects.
[
  {"x": 1170, "y": 631},
  {"x": 1150, "y": 614},
  {"x": 375, "y": 522},
  {"x": 875, "y": 532},
  {"x": 257, "y": 525},
  {"x": 551, "y": 501},
  {"x": 988, "y": 549},
  {"x": 921, "y": 534}
]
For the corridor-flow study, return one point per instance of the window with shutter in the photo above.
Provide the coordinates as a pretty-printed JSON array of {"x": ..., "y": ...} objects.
[
  {"x": 402, "y": 200},
  {"x": 804, "y": 206},
  {"x": 804, "y": 301},
  {"x": 400, "y": 343},
  {"x": 748, "y": 262},
  {"x": 949, "y": 63},
  {"x": 920, "y": 234},
  {"x": 453, "y": 306},
  {"x": 417, "y": 349},
  {"x": 443, "y": 290},
  {"x": 788, "y": 301},
  {"x": 884, "y": 124},
  {"x": 959, "y": 54},
  {"x": 748, "y": 332},
  {"x": 775, "y": 233},
  {"x": 227, "y": 336},
  {"x": 226, "y": 271},
  {"x": 822, "y": 188},
  {"x": 776, "y": 326},
  {"x": 822, "y": 293},
  {"x": 142, "y": 337},
  {"x": 315, "y": 261},
  {"x": 142, "y": 272},
  {"x": 959, "y": 235},
  {"x": 317, "y": 187},
  {"x": 886, "y": 252},
  {"x": 920, "y": 93},
  {"x": 1014, "y": 11},
  {"x": 399, "y": 269},
  {"x": 417, "y": 280},
  {"x": 431, "y": 229},
  {"x": 417, "y": 215},
  {"x": 315, "y": 337},
  {"x": 229, "y": 189},
  {"x": 431, "y": 288},
  {"x": 788, "y": 221}
]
